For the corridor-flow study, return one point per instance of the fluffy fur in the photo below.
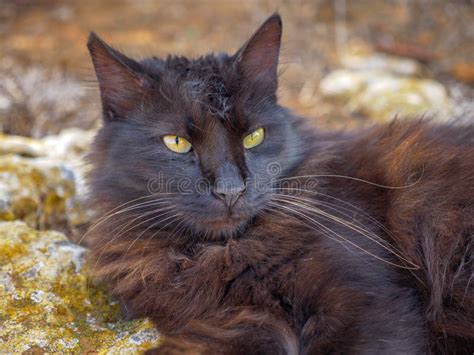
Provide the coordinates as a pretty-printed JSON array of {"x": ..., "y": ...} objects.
[{"x": 357, "y": 243}]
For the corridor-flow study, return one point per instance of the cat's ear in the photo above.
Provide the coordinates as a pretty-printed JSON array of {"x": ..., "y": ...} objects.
[
  {"x": 122, "y": 85},
  {"x": 257, "y": 60}
]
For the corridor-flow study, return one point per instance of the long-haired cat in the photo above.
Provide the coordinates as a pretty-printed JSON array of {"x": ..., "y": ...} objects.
[{"x": 239, "y": 229}]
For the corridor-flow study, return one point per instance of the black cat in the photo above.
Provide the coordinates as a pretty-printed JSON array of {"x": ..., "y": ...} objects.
[{"x": 239, "y": 230}]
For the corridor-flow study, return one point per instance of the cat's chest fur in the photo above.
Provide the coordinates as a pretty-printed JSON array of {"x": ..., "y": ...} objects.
[{"x": 287, "y": 276}]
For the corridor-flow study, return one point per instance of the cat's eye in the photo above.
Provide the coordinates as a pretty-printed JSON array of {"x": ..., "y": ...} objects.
[
  {"x": 177, "y": 144},
  {"x": 255, "y": 138}
]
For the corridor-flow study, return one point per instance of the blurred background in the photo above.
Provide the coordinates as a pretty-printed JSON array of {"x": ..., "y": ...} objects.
[{"x": 376, "y": 58}]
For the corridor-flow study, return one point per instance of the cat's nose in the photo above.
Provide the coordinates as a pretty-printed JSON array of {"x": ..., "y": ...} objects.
[{"x": 229, "y": 195}]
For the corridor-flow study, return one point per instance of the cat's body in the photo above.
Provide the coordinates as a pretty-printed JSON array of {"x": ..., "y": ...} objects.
[{"x": 341, "y": 242}]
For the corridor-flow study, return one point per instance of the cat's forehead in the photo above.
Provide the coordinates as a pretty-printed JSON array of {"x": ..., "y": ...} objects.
[
  {"x": 203, "y": 86},
  {"x": 208, "y": 74}
]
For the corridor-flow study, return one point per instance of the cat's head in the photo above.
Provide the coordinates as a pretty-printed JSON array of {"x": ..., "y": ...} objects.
[{"x": 192, "y": 142}]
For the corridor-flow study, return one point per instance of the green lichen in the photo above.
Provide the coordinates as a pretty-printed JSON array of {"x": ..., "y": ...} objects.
[{"x": 47, "y": 301}]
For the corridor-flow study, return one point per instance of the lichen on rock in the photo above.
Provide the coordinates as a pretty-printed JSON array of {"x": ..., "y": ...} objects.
[
  {"x": 40, "y": 192},
  {"x": 40, "y": 179},
  {"x": 47, "y": 301}
]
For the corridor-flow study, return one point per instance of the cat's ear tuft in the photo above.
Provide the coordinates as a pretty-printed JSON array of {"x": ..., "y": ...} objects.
[
  {"x": 121, "y": 83},
  {"x": 257, "y": 60}
]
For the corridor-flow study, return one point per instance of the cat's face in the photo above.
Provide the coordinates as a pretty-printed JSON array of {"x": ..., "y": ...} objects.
[{"x": 205, "y": 138}]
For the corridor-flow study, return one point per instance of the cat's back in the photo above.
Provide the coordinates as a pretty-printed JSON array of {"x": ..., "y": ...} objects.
[
  {"x": 428, "y": 205},
  {"x": 417, "y": 163},
  {"x": 427, "y": 170}
]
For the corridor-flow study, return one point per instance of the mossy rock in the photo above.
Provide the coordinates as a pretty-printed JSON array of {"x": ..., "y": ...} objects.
[
  {"x": 48, "y": 304},
  {"x": 40, "y": 192}
]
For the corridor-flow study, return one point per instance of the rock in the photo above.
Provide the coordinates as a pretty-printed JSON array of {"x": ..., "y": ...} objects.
[
  {"x": 48, "y": 304},
  {"x": 71, "y": 143},
  {"x": 41, "y": 181},
  {"x": 343, "y": 83},
  {"x": 40, "y": 192},
  {"x": 21, "y": 145},
  {"x": 359, "y": 56},
  {"x": 388, "y": 97},
  {"x": 381, "y": 87},
  {"x": 70, "y": 148}
]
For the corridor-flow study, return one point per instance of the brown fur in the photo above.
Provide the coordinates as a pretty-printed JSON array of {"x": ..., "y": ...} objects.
[
  {"x": 239, "y": 292},
  {"x": 390, "y": 271}
]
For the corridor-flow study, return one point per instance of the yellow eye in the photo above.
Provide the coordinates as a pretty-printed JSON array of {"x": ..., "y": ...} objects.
[
  {"x": 255, "y": 138},
  {"x": 177, "y": 144}
]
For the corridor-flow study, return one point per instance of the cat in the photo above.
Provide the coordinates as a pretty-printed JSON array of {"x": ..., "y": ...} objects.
[{"x": 238, "y": 228}]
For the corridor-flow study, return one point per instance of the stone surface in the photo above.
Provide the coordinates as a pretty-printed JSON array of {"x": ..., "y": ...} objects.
[
  {"x": 381, "y": 86},
  {"x": 38, "y": 191},
  {"x": 343, "y": 84},
  {"x": 20, "y": 145},
  {"x": 48, "y": 303},
  {"x": 41, "y": 181},
  {"x": 71, "y": 143},
  {"x": 407, "y": 97},
  {"x": 360, "y": 56}
]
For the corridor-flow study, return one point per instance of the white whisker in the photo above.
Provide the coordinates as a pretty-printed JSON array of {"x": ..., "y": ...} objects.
[
  {"x": 323, "y": 227},
  {"x": 365, "y": 232},
  {"x": 352, "y": 178}
]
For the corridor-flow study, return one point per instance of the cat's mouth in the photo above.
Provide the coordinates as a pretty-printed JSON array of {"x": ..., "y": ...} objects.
[{"x": 232, "y": 221}]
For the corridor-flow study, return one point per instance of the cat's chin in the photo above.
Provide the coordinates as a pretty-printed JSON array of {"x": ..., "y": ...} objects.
[{"x": 226, "y": 227}]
